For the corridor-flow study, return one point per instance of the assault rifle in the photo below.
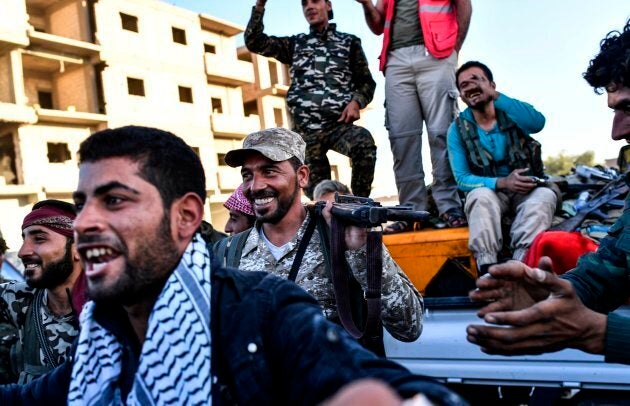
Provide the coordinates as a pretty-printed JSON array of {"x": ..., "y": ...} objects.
[
  {"x": 365, "y": 212},
  {"x": 362, "y": 212},
  {"x": 608, "y": 194}
]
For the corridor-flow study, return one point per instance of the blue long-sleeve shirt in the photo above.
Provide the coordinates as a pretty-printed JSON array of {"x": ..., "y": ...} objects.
[{"x": 526, "y": 117}]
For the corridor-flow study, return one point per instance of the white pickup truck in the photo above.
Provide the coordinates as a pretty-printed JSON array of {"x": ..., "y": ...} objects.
[{"x": 442, "y": 351}]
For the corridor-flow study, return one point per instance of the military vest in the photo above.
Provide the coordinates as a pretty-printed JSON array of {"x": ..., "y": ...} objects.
[{"x": 523, "y": 150}]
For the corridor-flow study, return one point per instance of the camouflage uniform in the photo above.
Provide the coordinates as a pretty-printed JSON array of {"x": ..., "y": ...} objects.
[
  {"x": 602, "y": 281},
  {"x": 328, "y": 70},
  {"x": 59, "y": 330},
  {"x": 402, "y": 304}
]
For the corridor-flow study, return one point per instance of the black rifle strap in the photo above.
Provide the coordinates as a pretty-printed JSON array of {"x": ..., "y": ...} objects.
[
  {"x": 341, "y": 279},
  {"x": 306, "y": 238}
]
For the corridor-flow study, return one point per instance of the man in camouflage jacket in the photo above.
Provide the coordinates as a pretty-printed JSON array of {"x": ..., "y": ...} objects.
[
  {"x": 273, "y": 176},
  {"x": 330, "y": 83},
  {"x": 40, "y": 308}
]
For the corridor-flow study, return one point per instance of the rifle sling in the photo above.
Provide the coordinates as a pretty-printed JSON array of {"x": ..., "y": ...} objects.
[
  {"x": 341, "y": 279},
  {"x": 306, "y": 238}
]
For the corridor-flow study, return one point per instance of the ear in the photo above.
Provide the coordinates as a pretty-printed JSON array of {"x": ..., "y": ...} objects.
[
  {"x": 75, "y": 254},
  {"x": 186, "y": 216},
  {"x": 303, "y": 173},
  {"x": 494, "y": 85}
]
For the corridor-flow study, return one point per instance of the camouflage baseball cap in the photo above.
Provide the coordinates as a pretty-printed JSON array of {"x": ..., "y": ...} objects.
[{"x": 277, "y": 144}]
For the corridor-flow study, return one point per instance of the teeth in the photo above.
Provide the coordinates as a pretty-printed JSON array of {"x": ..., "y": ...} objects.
[
  {"x": 97, "y": 252},
  {"x": 31, "y": 266},
  {"x": 263, "y": 201}
]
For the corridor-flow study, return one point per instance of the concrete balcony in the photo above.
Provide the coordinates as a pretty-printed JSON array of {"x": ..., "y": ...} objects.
[
  {"x": 14, "y": 113},
  {"x": 230, "y": 126},
  {"x": 70, "y": 117},
  {"x": 228, "y": 72},
  {"x": 228, "y": 178},
  {"x": 62, "y": 45}
]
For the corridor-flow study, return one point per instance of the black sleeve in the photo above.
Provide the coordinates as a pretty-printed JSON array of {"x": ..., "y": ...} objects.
[
  {"x": 49, "y": 389},
  {"x": 316, "y": 357}
]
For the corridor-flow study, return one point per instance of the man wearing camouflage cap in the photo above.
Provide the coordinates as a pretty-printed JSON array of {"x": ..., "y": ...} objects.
[
  {"x": 330, "y": 84},
  {"x": 274, "y": 173}
]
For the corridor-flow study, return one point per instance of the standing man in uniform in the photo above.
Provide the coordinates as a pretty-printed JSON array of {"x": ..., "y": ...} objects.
[
  {"x": 421, "y": 39},
  {"x": 41, "y": 307},
  {"x": 330, "y": 84}
]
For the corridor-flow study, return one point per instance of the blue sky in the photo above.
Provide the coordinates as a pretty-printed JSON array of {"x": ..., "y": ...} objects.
[{"x": 537, "y": 50}]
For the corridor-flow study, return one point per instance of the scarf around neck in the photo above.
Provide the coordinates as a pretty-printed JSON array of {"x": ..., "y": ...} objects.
[{"x": 174, "y": 365}]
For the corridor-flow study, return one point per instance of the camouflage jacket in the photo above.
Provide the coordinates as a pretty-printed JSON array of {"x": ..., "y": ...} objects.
[
  {"x": 60, "y": 331},
  {"x": 328, "y": 70},
  {"x": 402, "y": 304},
  {"x": 602, "y": 281}
]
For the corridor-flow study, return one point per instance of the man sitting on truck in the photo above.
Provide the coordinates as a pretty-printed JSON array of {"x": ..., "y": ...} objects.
[
  {"x": 547, "y": 313},
  {"x": 498, "y": 165},
  {"x": 274, "y": 175}
]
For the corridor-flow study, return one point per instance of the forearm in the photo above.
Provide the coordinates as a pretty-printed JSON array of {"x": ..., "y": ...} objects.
[
  {"x": 258, "y": 42},
  {"x": 464, "y": 12},
  {"x": 363, "y": 83},
  {"x": 617, "y": 339},
  {"x": 601, "y": 278},
  {"x": 402, "y": 306},
  {"x": 526, "y": 117},
  {"x": 373, "y": 17}
]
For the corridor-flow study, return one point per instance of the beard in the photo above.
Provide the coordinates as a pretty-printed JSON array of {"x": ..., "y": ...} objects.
[
  {"x": 282, "y": 208},
  {"x": 145, "y": 273},
  {"x": 54, "y": 273}
]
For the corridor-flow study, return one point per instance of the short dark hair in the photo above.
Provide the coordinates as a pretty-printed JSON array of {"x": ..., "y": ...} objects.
[
  {"x": 474, "y": 64},
  {"x": 612, "y": 64},
  {"x": 329, "y": 186},
  {"x": 166, "y": 161},
  {"x": 295, "y": 162}
]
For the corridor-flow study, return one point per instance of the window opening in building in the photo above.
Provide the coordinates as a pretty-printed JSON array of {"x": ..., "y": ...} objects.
[
  {"x": 7, "y": 159},
  {"x": 129, "y": 22},
  {"x": 185, "y": 94},
  {"x": 277, "y": 115},
  {"x": 217, "y": 105},
  {"x": 221, "y": 159},
  {"x": 179, "y": 36},
  {"x": 135, "y": 86},
  {"x": 245, "y": 57},
  {"x": 58, "y": 152},
  {"x": 209, "y": 49},
  {"x": 45, "y": 99},
  {"x": 249, "y": 108},
  {"x": 273, "y": 73}
]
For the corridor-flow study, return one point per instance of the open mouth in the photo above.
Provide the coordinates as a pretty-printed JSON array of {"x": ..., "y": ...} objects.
[
  {"x": 263, "y": 201},
  {"x": 473, "y": 93},
  {"x": 96, "y": 258},
  {"x": 31, "y": 266}
]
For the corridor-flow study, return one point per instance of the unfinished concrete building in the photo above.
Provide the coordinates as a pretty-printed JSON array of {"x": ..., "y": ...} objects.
[{"x": 71, "y": 67}]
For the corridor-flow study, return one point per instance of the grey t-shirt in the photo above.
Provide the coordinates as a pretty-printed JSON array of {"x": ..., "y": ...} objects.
[{"x": 406, "y": 29}]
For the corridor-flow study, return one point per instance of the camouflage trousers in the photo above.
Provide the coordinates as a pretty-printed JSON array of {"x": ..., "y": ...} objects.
[{"x": 347, "y": 139}]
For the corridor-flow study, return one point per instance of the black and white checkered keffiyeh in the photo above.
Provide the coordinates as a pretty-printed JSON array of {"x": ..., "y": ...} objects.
[{"x": 174, "y": 363}]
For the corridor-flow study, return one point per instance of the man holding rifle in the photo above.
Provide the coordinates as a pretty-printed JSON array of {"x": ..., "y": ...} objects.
[
  {"x": 545, "y": 313},
  {"x": 288, "y": 234}
]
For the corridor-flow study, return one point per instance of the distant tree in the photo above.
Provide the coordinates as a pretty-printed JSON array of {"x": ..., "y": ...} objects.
[{"x": 562, "y": 163}]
